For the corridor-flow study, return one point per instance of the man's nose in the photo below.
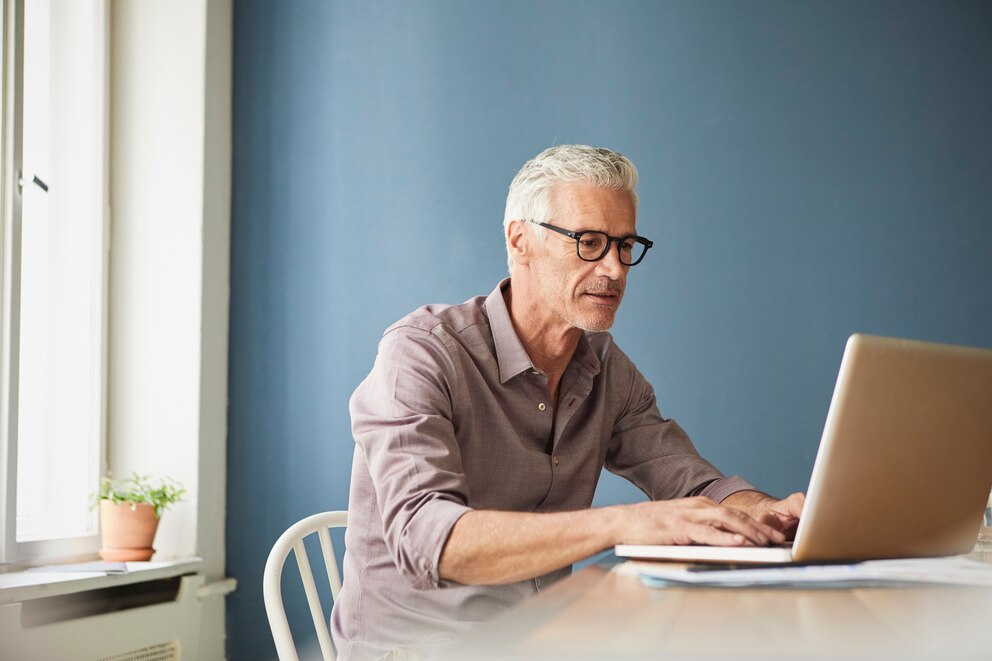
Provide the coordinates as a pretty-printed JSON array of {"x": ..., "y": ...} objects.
[{"x": 610, "y": 266}]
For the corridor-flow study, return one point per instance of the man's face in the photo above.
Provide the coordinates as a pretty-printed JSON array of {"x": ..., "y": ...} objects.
[{"x": 584, "y": 294}]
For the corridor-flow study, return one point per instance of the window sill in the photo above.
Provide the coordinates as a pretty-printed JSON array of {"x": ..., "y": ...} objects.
[{"x": 41, "y": 582}]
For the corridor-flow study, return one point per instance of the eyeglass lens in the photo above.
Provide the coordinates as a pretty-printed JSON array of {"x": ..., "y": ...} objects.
[{"x": 592, "y": 246}]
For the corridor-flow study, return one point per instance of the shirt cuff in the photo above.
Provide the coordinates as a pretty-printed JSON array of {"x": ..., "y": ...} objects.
[
  {"x": 443, "y": 516},
  {"x": 719, "y": 489}
]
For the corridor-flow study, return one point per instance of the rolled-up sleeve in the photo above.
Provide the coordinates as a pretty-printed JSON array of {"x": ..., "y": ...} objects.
[
  {"x": 655, "y": 453},
  {"x": 402, "y": 421}
]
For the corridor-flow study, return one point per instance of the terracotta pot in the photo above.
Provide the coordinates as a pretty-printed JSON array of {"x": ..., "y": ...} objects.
[{"x": 127, "y": 533}]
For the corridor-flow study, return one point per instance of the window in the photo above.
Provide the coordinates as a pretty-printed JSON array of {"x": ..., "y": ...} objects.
[{"x": 54, "y": 276}]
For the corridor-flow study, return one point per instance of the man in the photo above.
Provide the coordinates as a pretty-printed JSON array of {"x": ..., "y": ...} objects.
[{"x": 483, "y": 427}]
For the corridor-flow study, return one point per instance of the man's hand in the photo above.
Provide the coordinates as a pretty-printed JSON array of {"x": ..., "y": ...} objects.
[
  {"x": 695, "y": 521},
  {"x": 782, "y": 514}
]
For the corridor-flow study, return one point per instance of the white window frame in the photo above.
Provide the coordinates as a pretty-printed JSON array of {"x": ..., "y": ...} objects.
[{"x": 11, "y": 156}]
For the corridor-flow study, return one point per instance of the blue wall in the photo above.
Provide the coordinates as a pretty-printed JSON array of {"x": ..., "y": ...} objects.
[{"x": 808, "y": 169}]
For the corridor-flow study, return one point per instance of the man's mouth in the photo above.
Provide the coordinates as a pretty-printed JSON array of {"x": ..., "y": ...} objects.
[{"x": 605, "y": 292}]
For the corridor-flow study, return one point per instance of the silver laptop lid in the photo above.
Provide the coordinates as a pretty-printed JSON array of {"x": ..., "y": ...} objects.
[{"x": 904, "y": 467}]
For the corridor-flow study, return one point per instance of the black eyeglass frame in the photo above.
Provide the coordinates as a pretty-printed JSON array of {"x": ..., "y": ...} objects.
[{"x": 610, "y": 240}]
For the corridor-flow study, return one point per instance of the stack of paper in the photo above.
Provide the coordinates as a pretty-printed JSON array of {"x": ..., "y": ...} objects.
[{"x": 944, "y": 571}]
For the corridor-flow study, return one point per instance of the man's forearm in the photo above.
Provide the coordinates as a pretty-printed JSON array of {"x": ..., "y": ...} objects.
[{"x": 490, "y": 547}]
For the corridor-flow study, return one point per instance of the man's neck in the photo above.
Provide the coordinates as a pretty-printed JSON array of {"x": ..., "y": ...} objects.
[{"x": 550, "y": 342}]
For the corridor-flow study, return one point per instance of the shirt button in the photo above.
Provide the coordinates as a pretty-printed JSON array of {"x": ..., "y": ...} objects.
[
  {"x": 554, "y": 458},
  {"x": 541, "y": 406}
]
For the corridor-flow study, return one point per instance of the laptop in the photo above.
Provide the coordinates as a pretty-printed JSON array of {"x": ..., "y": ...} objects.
[{"x": 904, "y": 467}]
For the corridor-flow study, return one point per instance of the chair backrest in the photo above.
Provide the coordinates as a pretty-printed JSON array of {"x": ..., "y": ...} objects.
[{"x": 292, "y": 539}]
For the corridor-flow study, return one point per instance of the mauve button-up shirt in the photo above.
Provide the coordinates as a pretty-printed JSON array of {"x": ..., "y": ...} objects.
[{"x": 454, "y": 417}]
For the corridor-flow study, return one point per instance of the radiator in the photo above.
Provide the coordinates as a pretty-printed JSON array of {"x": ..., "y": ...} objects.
[{"x": 153, "y": 621}]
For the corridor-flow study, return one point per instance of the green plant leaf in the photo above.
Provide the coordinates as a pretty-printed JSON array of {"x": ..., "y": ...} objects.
[{"x": 161, "y": 494}]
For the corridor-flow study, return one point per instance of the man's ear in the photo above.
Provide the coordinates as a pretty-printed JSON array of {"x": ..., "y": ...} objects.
[{"x": 518, "y": 242}]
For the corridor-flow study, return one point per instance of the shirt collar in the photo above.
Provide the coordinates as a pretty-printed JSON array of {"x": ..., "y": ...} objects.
[{"x": 511, "y": 356}]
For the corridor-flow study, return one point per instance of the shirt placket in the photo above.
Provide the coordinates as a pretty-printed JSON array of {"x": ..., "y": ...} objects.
[
  {"x": 542, "y": 406},
  {"x": 576, "y": 386}
]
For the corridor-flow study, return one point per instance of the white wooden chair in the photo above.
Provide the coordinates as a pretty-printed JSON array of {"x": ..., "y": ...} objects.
[{"x": 292, "y": 539}]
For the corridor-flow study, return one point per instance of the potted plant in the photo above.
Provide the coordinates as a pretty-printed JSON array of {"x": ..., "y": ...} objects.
[{"x": 129, "y": 514}]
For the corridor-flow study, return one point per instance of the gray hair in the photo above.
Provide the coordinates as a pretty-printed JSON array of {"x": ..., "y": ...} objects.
[{"x": 529, "y": 195}]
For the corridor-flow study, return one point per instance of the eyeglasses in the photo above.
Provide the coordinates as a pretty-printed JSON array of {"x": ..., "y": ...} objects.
[{"x": 592, "y": 246}]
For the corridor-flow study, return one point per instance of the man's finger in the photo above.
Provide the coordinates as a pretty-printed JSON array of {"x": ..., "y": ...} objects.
[
  {"x": 736, "y": 521},
  {"x": 704, "y": 534}
]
